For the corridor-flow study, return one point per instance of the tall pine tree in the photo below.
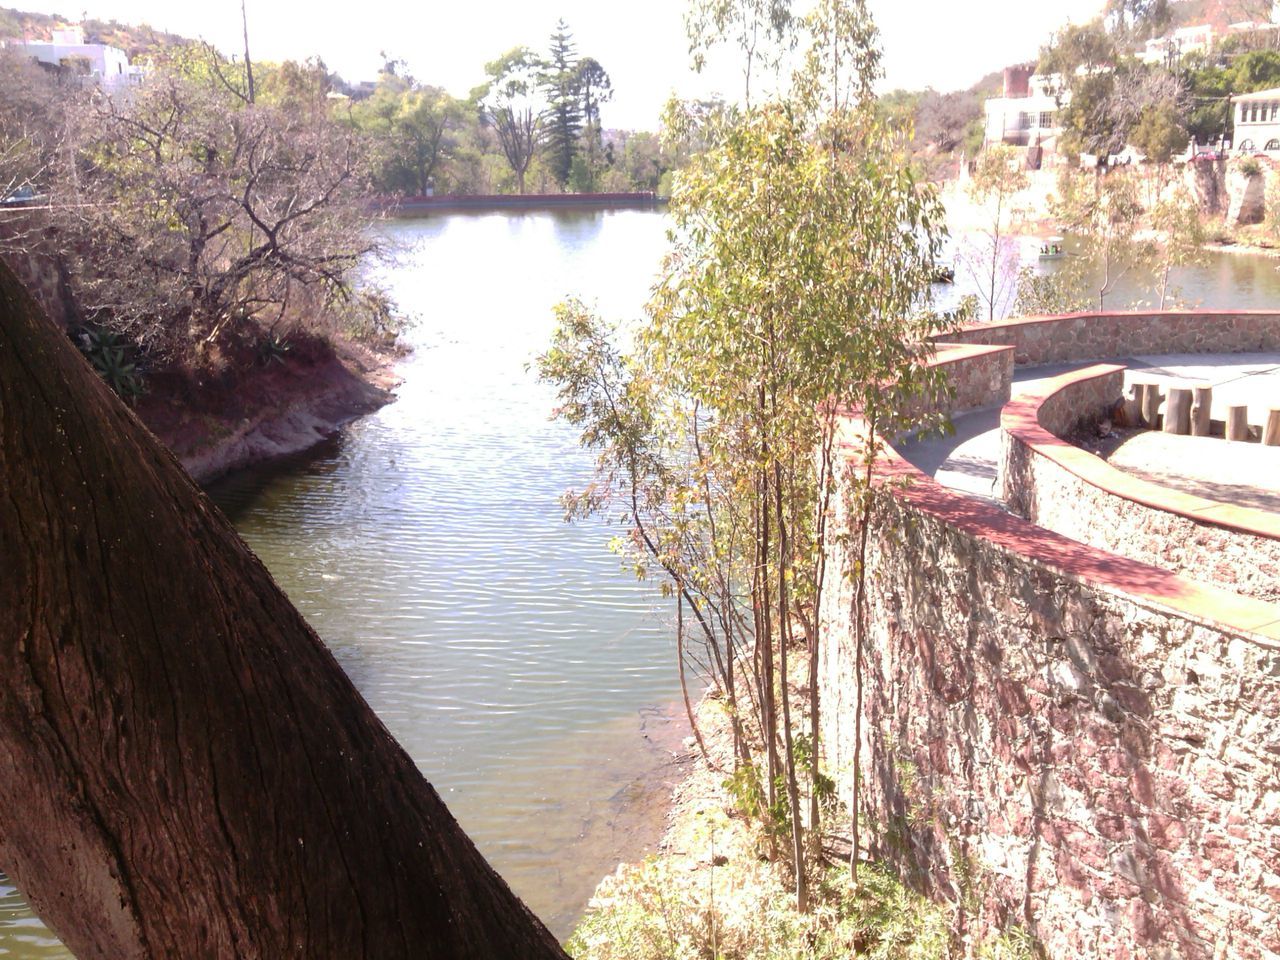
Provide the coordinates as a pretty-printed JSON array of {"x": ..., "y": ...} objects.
[{"x": 563, "y": 122}]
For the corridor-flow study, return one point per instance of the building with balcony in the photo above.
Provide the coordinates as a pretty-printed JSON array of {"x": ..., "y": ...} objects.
[
  {"x": 1257, "y": 121},
  {"x": 1027, "y": 114}
]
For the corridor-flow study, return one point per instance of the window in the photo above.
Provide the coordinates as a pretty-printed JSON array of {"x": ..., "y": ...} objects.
[
  {"x": 1244, "y": 113},
  {"x": 1024, "y": 121},
  {"x": 1046, "y": 119},
  {"x": 1245, "y": 145},
  {"x": 1275, "y": 108},
  {"x": 1272, "y": 144}
]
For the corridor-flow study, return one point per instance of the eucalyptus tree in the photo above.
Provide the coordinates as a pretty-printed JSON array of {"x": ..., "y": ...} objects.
[
  {"x": 595, "y": 88},
  {"x": 1182, "y": 237},
  {"x": 512, "y": 105},
  {"x": 796, "y": 288},
  {"x": 1105, "y": 212}
]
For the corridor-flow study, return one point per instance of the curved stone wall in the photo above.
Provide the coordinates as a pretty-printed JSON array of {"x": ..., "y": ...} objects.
[
  {"x": 1055, "y": 736},
  {"x": 1101, "y": 336},
  {"x": 1061, "y": 487}
]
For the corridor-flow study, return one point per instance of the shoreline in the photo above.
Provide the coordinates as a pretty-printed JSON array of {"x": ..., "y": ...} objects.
[
  {"x": 281, "y": 411},
  {"x": 410, "y": 207}
]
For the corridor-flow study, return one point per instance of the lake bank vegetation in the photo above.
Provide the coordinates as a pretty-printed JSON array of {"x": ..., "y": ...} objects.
[
  {"x": 203, "y": 231},
  {"x": 196, "y": 236}
]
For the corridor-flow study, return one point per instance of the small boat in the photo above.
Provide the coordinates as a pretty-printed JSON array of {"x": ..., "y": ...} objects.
[
  {"x": 1053, "y": 249},
  {"x": 943, "y": 273}
]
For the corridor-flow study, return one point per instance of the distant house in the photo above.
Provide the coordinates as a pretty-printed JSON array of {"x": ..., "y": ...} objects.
[
  {"x": 107, "y": 66},
  {"x": 1185, "y": 40},
  {"x": 1027, "y": 114},
  {"x": 1257, "y": 121}
]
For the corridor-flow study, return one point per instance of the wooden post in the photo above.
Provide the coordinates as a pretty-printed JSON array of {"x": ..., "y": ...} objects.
[
  {"x": 1271, "y": 435},
  {"x": 1132, "y": 411},
  {"x": 1200, "y": 411},
  {"x": 1238, "y": 422},
  {"x": 1177, "y": 411},
  {"x": 1151, "y": 398}
]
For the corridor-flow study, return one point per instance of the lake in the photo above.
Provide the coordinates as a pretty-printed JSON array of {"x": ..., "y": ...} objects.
[{"x": 531, "y": 679}]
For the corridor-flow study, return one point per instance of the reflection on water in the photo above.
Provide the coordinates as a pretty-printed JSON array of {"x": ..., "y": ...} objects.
[
  {"x": 1224, "y": 281},
  {"x": 505, "y": 649},
  {"x": 524, "y": 671}
]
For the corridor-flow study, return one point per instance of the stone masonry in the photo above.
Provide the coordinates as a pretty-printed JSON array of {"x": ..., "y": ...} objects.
[{"x": 1054, "y": 735}]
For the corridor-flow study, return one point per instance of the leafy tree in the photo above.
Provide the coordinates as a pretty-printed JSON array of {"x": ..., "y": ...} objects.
[
  {"x": 717, "y": 435},
  {"x": 304, "y": 85},
  {"x": 510, "y": 103},
  {"x": 762, "y": 30},
  {"x": 1078, "y": 48},
  {"x": 595, "y": 88},
  {"x": 1105, "y": 213},
  {"x": 413, "y": 129},
  {"x": 1183, "y": 236},
  {"x": 560, "y": 80},
  {"x": 1136, "y": 20},
  {"x": 992, "y": 260},
  {"x": 1255, "y": 70},
  {"x": 1160, "y": 132}
]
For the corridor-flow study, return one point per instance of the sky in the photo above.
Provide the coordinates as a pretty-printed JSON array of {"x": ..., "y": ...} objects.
[{"x": 945, "y": 44}]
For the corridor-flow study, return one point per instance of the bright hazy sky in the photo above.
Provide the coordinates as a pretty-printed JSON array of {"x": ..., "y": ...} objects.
[{"x": 946, "y": 44}]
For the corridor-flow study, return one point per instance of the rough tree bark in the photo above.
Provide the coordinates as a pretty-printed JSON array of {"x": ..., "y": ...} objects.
[{"x": 185, "y": 770}]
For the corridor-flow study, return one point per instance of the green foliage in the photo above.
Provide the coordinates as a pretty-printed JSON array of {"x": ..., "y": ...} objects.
[
  {"x": 1250, "y": 167},
  {"x": 273, "y": 349},
  {"x": 797, "y": 283},
  {"x": 1212, "y": 80},
  {"x": 1160, "y": 132},
  {"x": 1255, "y": 70},
  {"x": 109, "y": 355},
  {"x": 1177, "y": 218},
  {"x": 559, "y": 80},
  {"x": 416, "y": 133},
  {"x": 740, "y": 911},
  {"x": 1105, "y": 214}
]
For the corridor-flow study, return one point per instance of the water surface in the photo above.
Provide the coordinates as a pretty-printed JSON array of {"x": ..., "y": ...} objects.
[{"x": 527, "y": 675}]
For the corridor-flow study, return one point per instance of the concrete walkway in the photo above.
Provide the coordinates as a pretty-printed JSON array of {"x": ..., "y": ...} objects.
[{"x": 968, "y": 460}]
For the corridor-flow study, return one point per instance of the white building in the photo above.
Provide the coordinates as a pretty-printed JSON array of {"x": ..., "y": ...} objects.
[
  {"x": 108, "y": 66},
  {"x": 1027, "y": 114},
  {"x": 1185, "y": 40},
  {"x": 1257, "y": 121}
]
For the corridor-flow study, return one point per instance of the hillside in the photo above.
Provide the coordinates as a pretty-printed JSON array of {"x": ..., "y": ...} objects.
[
  {"x": 1219, "y": 13},
  {"x": 135, "y": 41}
]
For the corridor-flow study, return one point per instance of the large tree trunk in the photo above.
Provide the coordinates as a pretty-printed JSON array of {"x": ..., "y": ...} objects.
[{"x": 185, "y": 770}]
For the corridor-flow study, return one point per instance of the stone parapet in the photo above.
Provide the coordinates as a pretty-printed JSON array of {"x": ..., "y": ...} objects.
[
  {"x": 1061, "y": 487},
  {"x": 1054, "y": 735},
  {"x": 1100, "y": 336},
  {"x": 1058, "y": 738}
]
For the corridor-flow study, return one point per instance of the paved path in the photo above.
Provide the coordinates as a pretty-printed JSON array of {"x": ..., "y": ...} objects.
[{"x": 967, "y": 460}]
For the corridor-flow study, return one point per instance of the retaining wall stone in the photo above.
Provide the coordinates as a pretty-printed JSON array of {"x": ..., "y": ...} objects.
[{"x": 1050, "y": 752}]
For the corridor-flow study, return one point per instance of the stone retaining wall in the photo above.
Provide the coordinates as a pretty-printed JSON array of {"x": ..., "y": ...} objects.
[
  {"x": 1099, "y": 336},
  {"x": 1054, "y": 736},
  {"x": 1063, "y": 488},
  {"x": 1057, "y": 738}
]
